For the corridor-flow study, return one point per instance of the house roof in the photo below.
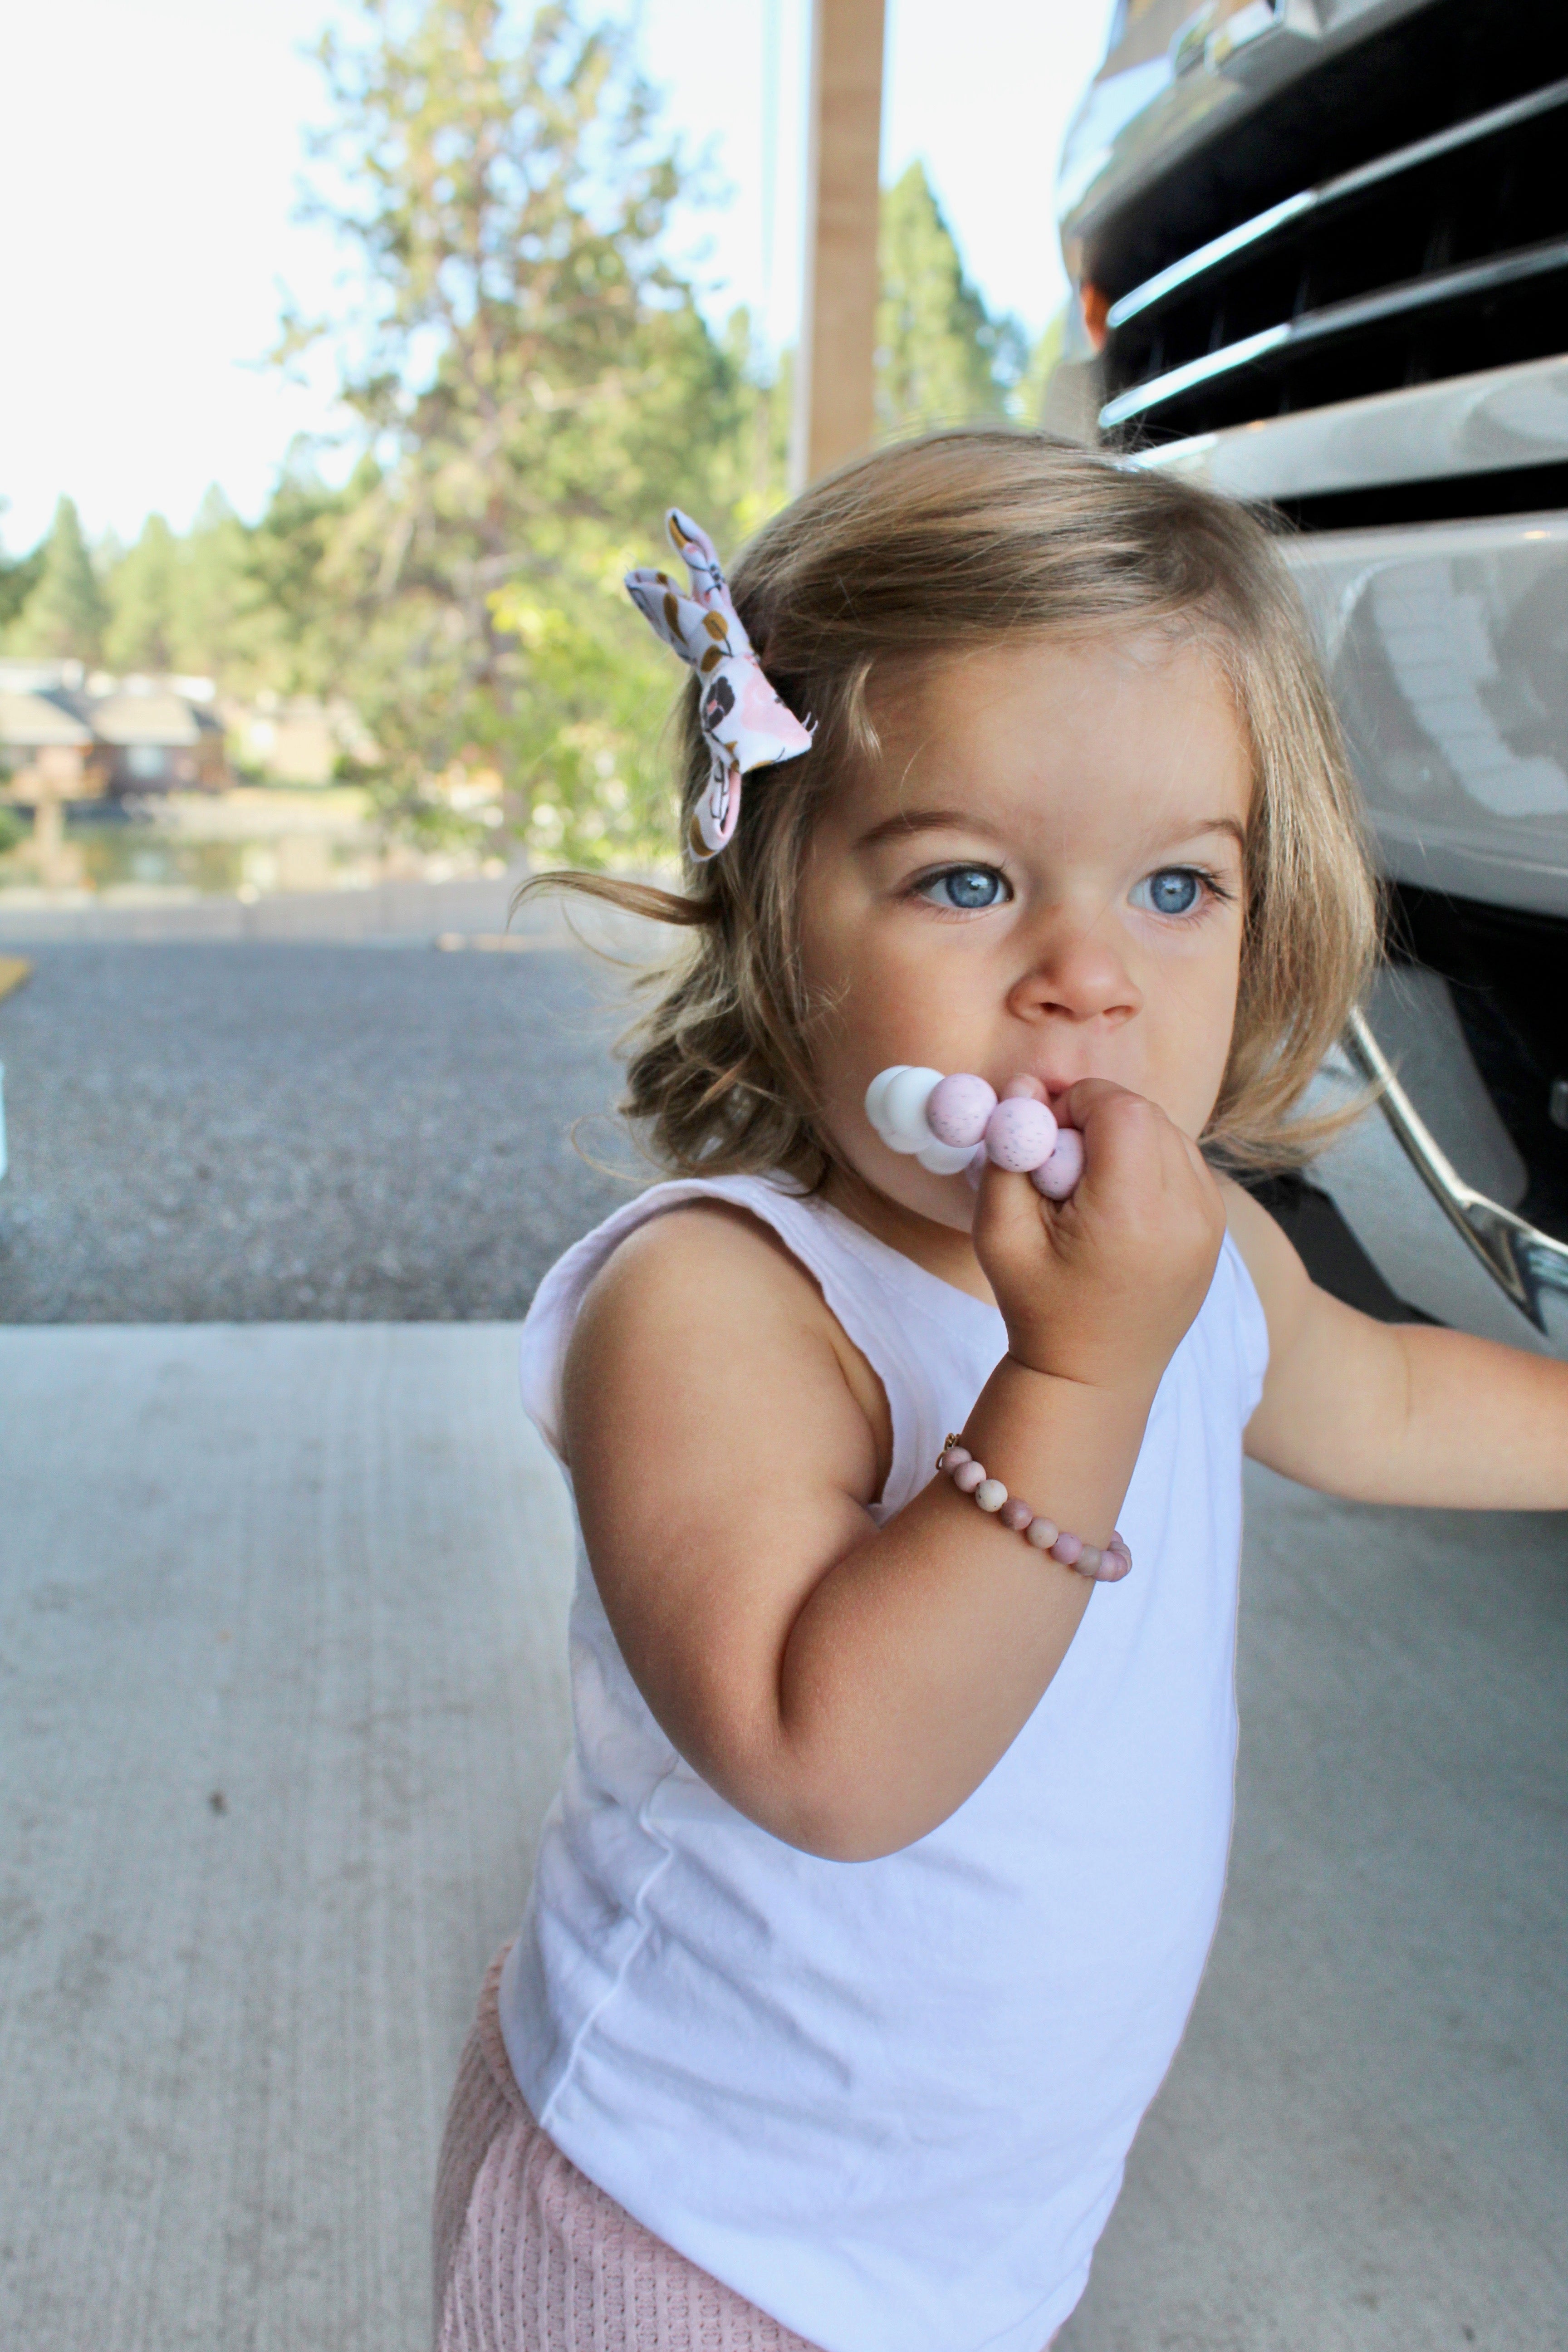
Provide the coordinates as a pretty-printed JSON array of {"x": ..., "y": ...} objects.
[
  {"x": 155, "y": 718},
  {"x": 30, "y": 720}
]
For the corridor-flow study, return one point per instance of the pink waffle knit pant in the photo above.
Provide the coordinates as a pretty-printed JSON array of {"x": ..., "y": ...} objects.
[{"x": 532, "y": 2257}]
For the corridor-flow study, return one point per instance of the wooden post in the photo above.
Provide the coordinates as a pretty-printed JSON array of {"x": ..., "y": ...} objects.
[{"x": 834, "y": 418}]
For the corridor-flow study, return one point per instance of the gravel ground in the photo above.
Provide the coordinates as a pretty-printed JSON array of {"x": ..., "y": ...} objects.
[{"x": 255, "y": 1132}]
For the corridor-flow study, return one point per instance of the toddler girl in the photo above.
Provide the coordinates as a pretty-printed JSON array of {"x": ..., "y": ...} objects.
[{"x": 890, "y": 1847}]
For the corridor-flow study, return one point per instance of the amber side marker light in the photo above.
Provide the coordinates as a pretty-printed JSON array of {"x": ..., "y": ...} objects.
[{"x": 1096, "y": 307}]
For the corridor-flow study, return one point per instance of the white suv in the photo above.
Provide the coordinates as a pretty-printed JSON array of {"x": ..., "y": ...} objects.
[{"x": 1322, "y": 248}]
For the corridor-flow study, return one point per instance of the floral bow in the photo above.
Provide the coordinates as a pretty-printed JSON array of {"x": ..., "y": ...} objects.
[{"x": 744, "y": 723}]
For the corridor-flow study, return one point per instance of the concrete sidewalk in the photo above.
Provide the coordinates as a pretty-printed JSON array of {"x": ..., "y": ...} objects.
[{"x": 281, "y": 1625}]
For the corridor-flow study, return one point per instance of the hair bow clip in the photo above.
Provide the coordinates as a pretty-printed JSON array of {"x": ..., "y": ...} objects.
[{"x": 744, "y": 723}]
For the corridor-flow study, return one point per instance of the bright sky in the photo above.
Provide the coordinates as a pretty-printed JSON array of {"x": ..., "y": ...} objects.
[{"x": 152, "y": 232}]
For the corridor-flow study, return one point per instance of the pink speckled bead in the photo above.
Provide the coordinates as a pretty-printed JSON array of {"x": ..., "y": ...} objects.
[
  {"x": 954, "y": 1458},
  {"x": 991, "y": 1494},
  {"x": 959, "y": 1108},
  {"x": 1067, "y": 1548},
  {"x": 968, "y": 1476},
  {"x": 1015, "y": 1515},
  {"x": 1058, "y": 1175},
  {"x": 1114, "y": 1565},
  {"x": 1041, "y": 1533},
  {"x": 1020, "y": 1134},
  {"x": 1088, "y": 1560}
]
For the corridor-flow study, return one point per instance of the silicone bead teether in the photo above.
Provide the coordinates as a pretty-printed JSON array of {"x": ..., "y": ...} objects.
[
  {"x": 1058, "y": 1175},
  {"x": 896, "y": 1103},
  {"x": 953, "y": 1125},
  {"x": 959, "y": 1108},
  {"x": 1020, "y": 1135}
]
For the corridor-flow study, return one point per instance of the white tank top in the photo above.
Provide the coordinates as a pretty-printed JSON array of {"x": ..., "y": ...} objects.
[{"x": 889, "y": 2101}]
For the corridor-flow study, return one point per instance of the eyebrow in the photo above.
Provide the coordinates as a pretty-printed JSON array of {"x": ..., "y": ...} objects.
[
  {"x": 906, "y": 820},
  {"x": 925, "y": 821}
]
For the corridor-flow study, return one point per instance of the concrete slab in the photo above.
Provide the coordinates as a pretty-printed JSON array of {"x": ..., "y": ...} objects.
[
  {"x": 282, "y": 1704},
  {"x": 1364, "y": 2142}
]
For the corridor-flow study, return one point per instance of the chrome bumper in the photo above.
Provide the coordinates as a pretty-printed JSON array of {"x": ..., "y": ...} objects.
[{"x": 1529, "y": 1269}]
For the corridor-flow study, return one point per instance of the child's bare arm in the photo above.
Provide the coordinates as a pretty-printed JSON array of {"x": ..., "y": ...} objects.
[
  {"x": 1396, "y": 1412},
  {"x": 846, "y": 1686}
]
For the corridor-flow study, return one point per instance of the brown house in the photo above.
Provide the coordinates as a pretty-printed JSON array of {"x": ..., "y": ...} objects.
[
  {"x": 152, "y": 740},
  {"x": 64, "y": 738}
]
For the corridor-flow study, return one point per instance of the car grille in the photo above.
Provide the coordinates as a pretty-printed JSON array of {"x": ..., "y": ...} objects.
[{"x": 1444, "y": 256}]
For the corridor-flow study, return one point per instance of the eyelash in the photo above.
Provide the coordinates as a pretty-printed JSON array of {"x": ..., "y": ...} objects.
[
  {"x": 1215, "y": 888},
  {"x": 922, "y": 883},
  {"x": 1214, "y": 885}
]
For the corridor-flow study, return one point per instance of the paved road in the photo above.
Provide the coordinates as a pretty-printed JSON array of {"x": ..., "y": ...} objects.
[{"x": 259, "y": 1132}]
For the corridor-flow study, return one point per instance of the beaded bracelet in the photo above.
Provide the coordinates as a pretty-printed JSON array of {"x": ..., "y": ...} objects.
[{"x": 1106, "y": 1566}]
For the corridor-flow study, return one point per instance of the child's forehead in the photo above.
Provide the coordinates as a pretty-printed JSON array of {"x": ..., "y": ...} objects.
[
  {"x": 1133, "y": 726},
  {"x": 1066, "y": 666}
]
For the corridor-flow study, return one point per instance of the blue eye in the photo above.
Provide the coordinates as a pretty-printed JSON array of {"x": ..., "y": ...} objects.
[
  {"x": 1174, "y": 890},
  {"x": 966, "y": 887}
]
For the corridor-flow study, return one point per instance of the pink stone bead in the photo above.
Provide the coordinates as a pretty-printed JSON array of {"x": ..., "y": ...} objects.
[
  {"x": 1067, "y": 1548},
  {"x": 1015, "y": 1515},
  {"x": 954, "y": 1458},
  {"x": 959, "y": 1108},
  {"x": 1088, "y": 1560},
  {"x": 1041, "y": 1533},
  {"x": 1020, "y": 1134},
  {"x": 1114, "y": 1565},
  {"x": 991, "y": 1494},
  {"x": 1058, "y": 1175},
  {"x": 968, "y": 1476}
]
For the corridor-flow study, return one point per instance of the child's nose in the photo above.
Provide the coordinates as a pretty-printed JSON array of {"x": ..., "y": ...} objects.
[{"x": 1076, "y": 974}]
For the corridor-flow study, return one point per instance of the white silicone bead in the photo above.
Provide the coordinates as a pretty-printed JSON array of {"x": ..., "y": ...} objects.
[
  {"x": 876, "y": 1093},
  {"x": 903, "y": 1109},
  {"x": 991, "y": 1494}
]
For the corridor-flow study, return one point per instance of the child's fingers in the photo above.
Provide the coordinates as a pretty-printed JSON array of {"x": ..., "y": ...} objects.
[
  {"x": 1122, "y": 1138},
  {"x": 1007, "y": 1218}
]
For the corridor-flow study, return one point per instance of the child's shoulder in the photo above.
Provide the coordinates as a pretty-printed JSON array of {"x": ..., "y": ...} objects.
[
  {"x": 703, "y": 1309},
  {"x": 708, "y": 1261}
]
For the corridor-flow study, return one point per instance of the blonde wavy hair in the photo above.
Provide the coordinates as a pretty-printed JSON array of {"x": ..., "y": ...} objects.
[{"x": 929, "y": 549}]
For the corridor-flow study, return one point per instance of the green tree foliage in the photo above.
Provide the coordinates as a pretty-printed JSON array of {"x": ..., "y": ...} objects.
[
  {"x": 64, "y": 614},
  {"x": 19, "y": 576},
  {"x": 533, "y": 382},
  {"x": 144, "y": 602},
  {"x": 942, "y": 358},
  {"x": 225, "y": 629}
]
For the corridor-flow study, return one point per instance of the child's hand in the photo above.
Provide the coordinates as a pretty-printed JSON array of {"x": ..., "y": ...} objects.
[{"x": 1099, "y": 1289}]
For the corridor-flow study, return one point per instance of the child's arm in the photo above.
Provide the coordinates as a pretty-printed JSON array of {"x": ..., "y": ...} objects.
[
  {"x": 848, "y": 1687},
  {"x": 1396, "y": 1412}
]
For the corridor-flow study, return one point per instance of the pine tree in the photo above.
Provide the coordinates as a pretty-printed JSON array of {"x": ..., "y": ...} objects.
[
  {"x": 222, "y": 629},
  {"x": 533, "y": 382},
  {"x": 942, "y": 358},
  {"x": 144, "y": 601},
  {"x": 64, "y": 617}
]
